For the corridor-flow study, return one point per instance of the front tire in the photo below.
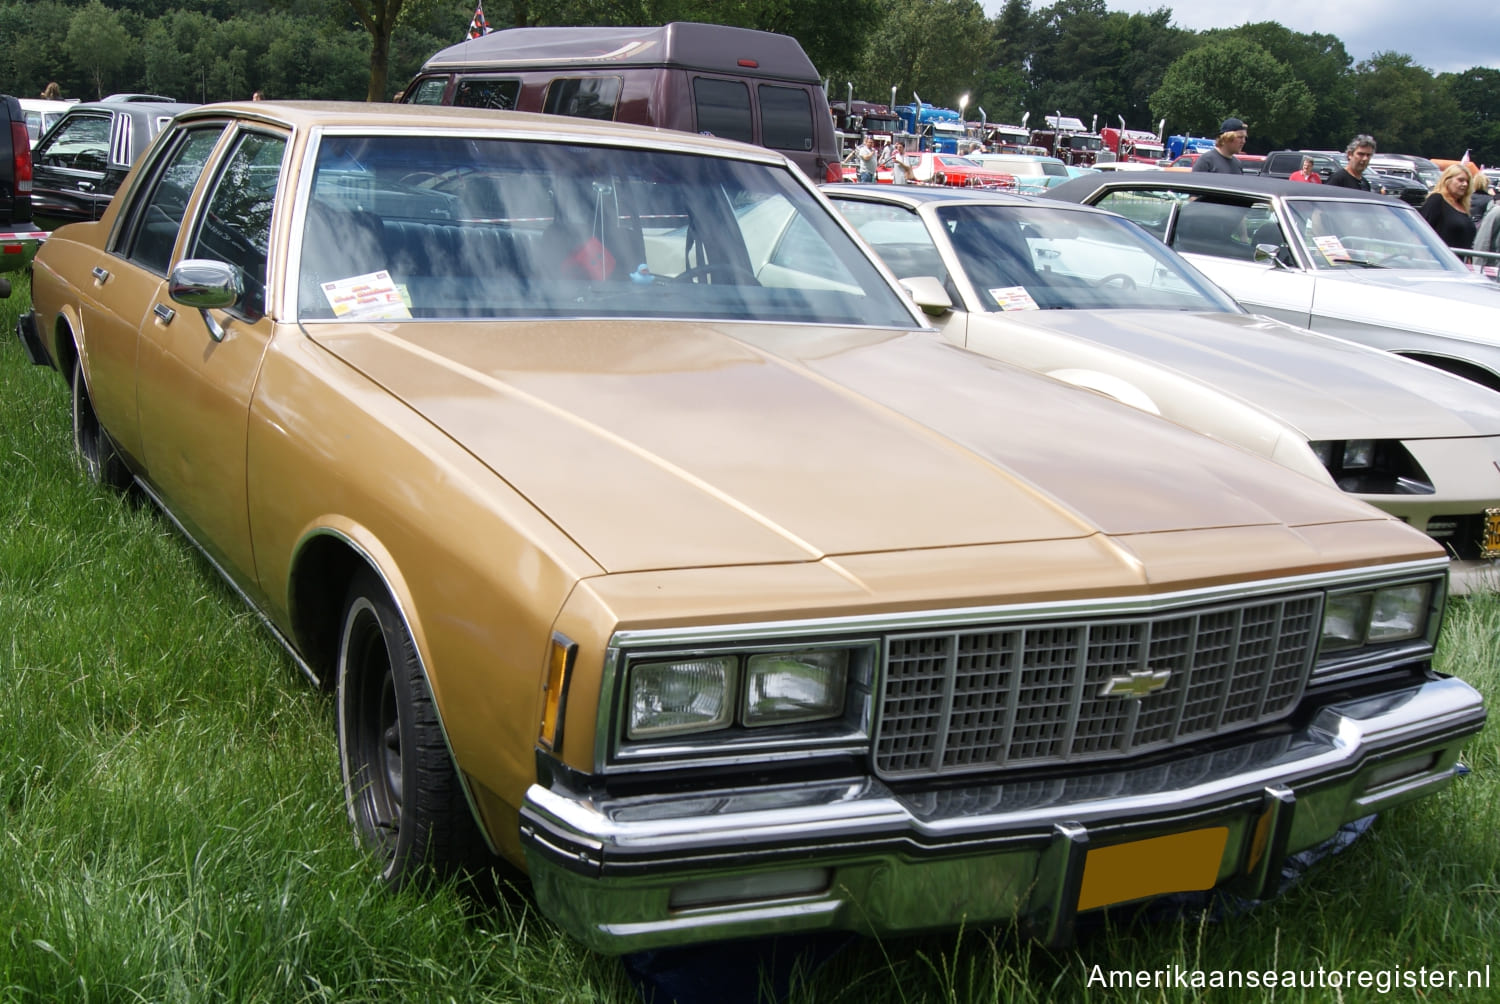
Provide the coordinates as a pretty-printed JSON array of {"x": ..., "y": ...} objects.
[
  {"x": 404, "y": 797},
  {"x": 96, "y": 454}
]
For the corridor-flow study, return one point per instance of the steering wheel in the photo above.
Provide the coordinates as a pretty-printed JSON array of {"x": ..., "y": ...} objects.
[
  {"x": 1118, "y": 278},
  {"x": 727, "y": 267}
]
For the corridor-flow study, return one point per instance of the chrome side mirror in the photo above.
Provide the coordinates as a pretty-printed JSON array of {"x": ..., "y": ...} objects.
[{"x": 206, "y": 285}]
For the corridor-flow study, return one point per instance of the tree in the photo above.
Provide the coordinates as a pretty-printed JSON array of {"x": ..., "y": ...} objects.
[
  {"x": 1323, "y": 64},
  {"x": 1477, "y": 94},
  {"x": 1233, "y": 76},
  {"x": 380, "y": 18},
  {"x": 929, "y": 47},
  {"x": 94, "y": 46},
  {"x": 1404, "y": 108}
]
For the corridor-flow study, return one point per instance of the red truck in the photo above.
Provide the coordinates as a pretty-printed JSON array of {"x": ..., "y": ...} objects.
[{"x": 1136, "y": 145}]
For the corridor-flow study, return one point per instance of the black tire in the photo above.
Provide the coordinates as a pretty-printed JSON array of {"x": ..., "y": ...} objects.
[
  {"x": 96, "y": 454},
  {"x": 404, "y": 797}
]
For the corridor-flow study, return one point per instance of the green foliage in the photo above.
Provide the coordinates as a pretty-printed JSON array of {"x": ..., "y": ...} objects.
[
  {"x": 93, "y": 45},
  {"x": 1236, "y": 77},
  {"x": 933, "y": 48},
  {"x": 1405, "y": 108},
  {"x": 1477, "y": 93}
]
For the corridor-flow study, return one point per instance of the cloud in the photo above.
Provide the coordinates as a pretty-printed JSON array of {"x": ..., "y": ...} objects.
[{"x": 1365, "y": 28}]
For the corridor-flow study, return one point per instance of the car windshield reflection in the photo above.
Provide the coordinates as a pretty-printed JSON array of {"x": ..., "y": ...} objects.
[
  {"x": 421, "y": 227},
  {"x": 1356, "y": 235},
  {"x": 1051, "y": 259}
]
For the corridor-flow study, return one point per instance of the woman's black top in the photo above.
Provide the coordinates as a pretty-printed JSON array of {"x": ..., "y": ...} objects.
[{"x": 1453, "y": 225}]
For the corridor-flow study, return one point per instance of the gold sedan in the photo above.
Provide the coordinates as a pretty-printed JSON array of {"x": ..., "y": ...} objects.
[{"x": 664, "y": 551}]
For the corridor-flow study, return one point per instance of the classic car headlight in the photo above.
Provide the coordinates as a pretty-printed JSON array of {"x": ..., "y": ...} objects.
[
  {"x": 753, "y": 689},
  {"x": 1375, "y": 616},
  {"x": 1372, "y": 466},
  {"x": 783, "y": 687},
  {"x": 689, "y": 695}
]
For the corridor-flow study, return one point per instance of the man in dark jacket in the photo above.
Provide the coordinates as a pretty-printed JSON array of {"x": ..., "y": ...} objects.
[
  {"x": 1221, "y": 159},
  {"x": 1360, "y": 149}
]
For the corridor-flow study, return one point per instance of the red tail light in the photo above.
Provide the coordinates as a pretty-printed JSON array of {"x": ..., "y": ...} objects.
[
  {"x": 22, "y": 144},
  {"x": 833, "y": 171}
]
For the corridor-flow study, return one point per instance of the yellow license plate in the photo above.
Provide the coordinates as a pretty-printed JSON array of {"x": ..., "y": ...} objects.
[
  {"x": 1490, "y": 548},
  {"x": 1178, "y": 862}
]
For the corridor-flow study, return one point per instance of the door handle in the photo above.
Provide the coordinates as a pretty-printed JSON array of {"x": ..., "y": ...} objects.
[
  {"x": 100, "y": 273},
  {"x": 164, "y": 313}
]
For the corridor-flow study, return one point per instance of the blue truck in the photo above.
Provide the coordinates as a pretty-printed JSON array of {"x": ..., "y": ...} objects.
[{"x": 940, "y": 130}]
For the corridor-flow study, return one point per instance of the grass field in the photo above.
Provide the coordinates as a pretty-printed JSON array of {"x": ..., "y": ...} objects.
[{"x": 173, "y": 828}]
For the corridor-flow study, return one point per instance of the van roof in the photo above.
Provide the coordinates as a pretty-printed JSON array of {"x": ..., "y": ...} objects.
[{"x": 718, "y": 48}]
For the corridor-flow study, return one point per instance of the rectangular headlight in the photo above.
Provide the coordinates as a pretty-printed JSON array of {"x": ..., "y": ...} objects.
[
  {"x": 682, "y": 696},
  {"x": 1399, "y": 612},
  {"x": 1345, "y": 619},
  {"x": 1375, "y": 616},
  {"x": 783, "y": 687}
]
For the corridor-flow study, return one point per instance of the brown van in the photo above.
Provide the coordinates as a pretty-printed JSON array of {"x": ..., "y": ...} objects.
[{"x": 754, "y": 86}]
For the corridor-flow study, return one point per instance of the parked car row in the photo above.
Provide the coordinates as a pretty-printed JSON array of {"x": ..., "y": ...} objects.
[
  {"x": 651, "y": 539},
  {"x": 1092, "y": 300},
  {"x": 1340, "y": 261}
]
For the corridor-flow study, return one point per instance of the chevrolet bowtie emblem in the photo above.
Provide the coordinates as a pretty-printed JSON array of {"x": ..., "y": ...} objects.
[{"x": 1137, "y": 684}]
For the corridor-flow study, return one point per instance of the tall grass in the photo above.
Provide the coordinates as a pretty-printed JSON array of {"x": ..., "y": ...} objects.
[{"x": 173, "y": 828}]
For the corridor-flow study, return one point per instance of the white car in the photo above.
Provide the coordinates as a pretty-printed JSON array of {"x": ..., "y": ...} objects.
[
  {"x": 1088, "y": 298},
  {"x": 40, "y": 114},
  {"x": 1340, "y": 261}
]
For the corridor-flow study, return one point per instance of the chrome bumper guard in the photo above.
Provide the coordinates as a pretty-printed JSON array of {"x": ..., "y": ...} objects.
[{"x": 633, "y": 872}]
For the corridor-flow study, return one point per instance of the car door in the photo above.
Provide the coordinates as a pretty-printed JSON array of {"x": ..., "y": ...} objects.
[
  {"x": 68, "y": 169},
  {"x": 197, "y": 368},
  {"x": 127, "y": 278}
]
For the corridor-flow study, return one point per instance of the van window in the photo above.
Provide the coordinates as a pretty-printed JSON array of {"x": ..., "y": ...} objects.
[
  {"x": 583, "y": 97},
  {"x": 786, "y": 121},
  {"x": 723, "y": 108},
  {"x": 481, "y": 92},
  {"x": 428, "y": 91}
]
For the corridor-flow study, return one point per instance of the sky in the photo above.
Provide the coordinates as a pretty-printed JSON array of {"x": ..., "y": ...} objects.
[{"x": 1443, "y": 44}]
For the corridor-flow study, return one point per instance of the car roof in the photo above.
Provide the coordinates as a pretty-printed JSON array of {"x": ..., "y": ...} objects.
[
  {"x": 133, "y": 106},
  {"x": 1249, "y": 184},
  {"x": 914, "y": 196},
  {"x": 434, "y": 118}
]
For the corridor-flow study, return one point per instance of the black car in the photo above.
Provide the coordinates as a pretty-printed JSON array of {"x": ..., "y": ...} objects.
[
  {"x": 1284, "y": 163},
  {"x": 82, "y": 159}
]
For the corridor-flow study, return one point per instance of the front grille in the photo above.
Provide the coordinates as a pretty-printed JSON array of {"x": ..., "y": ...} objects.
[{"x": 1019, "y": 695}]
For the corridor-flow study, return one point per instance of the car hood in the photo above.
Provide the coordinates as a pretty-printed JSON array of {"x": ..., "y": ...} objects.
[
  {"x": 665, "y": 444},
  {"x": 1458, "y": 305},
  {"x": 1324, "y": 387}
]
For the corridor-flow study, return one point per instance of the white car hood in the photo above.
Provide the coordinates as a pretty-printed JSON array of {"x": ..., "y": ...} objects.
[{"x": 1324, "y": 387}]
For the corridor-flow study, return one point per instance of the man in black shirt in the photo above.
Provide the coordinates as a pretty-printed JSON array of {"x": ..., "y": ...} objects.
[
  {"x": 1221, "y": 159},
  {"x": 1361, "y": 148}
]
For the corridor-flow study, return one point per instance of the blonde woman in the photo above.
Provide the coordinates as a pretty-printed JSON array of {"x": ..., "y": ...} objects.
[{"x": 1447, "y": 208}]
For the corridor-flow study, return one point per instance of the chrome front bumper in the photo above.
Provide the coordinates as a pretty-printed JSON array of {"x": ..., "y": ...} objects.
[{"x": 627, "y": 873}]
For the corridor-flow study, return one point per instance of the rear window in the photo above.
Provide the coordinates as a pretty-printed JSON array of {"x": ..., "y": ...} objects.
[
  {"x": 786, "y": 121},
  {"x": 723, "y": 108},
  {"x": 583, "y": 97}
]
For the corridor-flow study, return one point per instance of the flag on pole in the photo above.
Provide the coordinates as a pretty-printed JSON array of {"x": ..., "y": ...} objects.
[
  {"x": 1465, "y": 159},
  {"x": 478, "y": 25}
]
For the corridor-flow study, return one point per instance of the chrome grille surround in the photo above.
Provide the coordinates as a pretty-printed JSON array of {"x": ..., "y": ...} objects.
[{"x": 981, "y": 698}]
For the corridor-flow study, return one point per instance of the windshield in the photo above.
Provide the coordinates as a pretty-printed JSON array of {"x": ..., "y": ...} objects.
[
  {"x": 1356, "y": 235},
  {"x": 414, "y": 226},
  {"x": 1037, "y": 258}
]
